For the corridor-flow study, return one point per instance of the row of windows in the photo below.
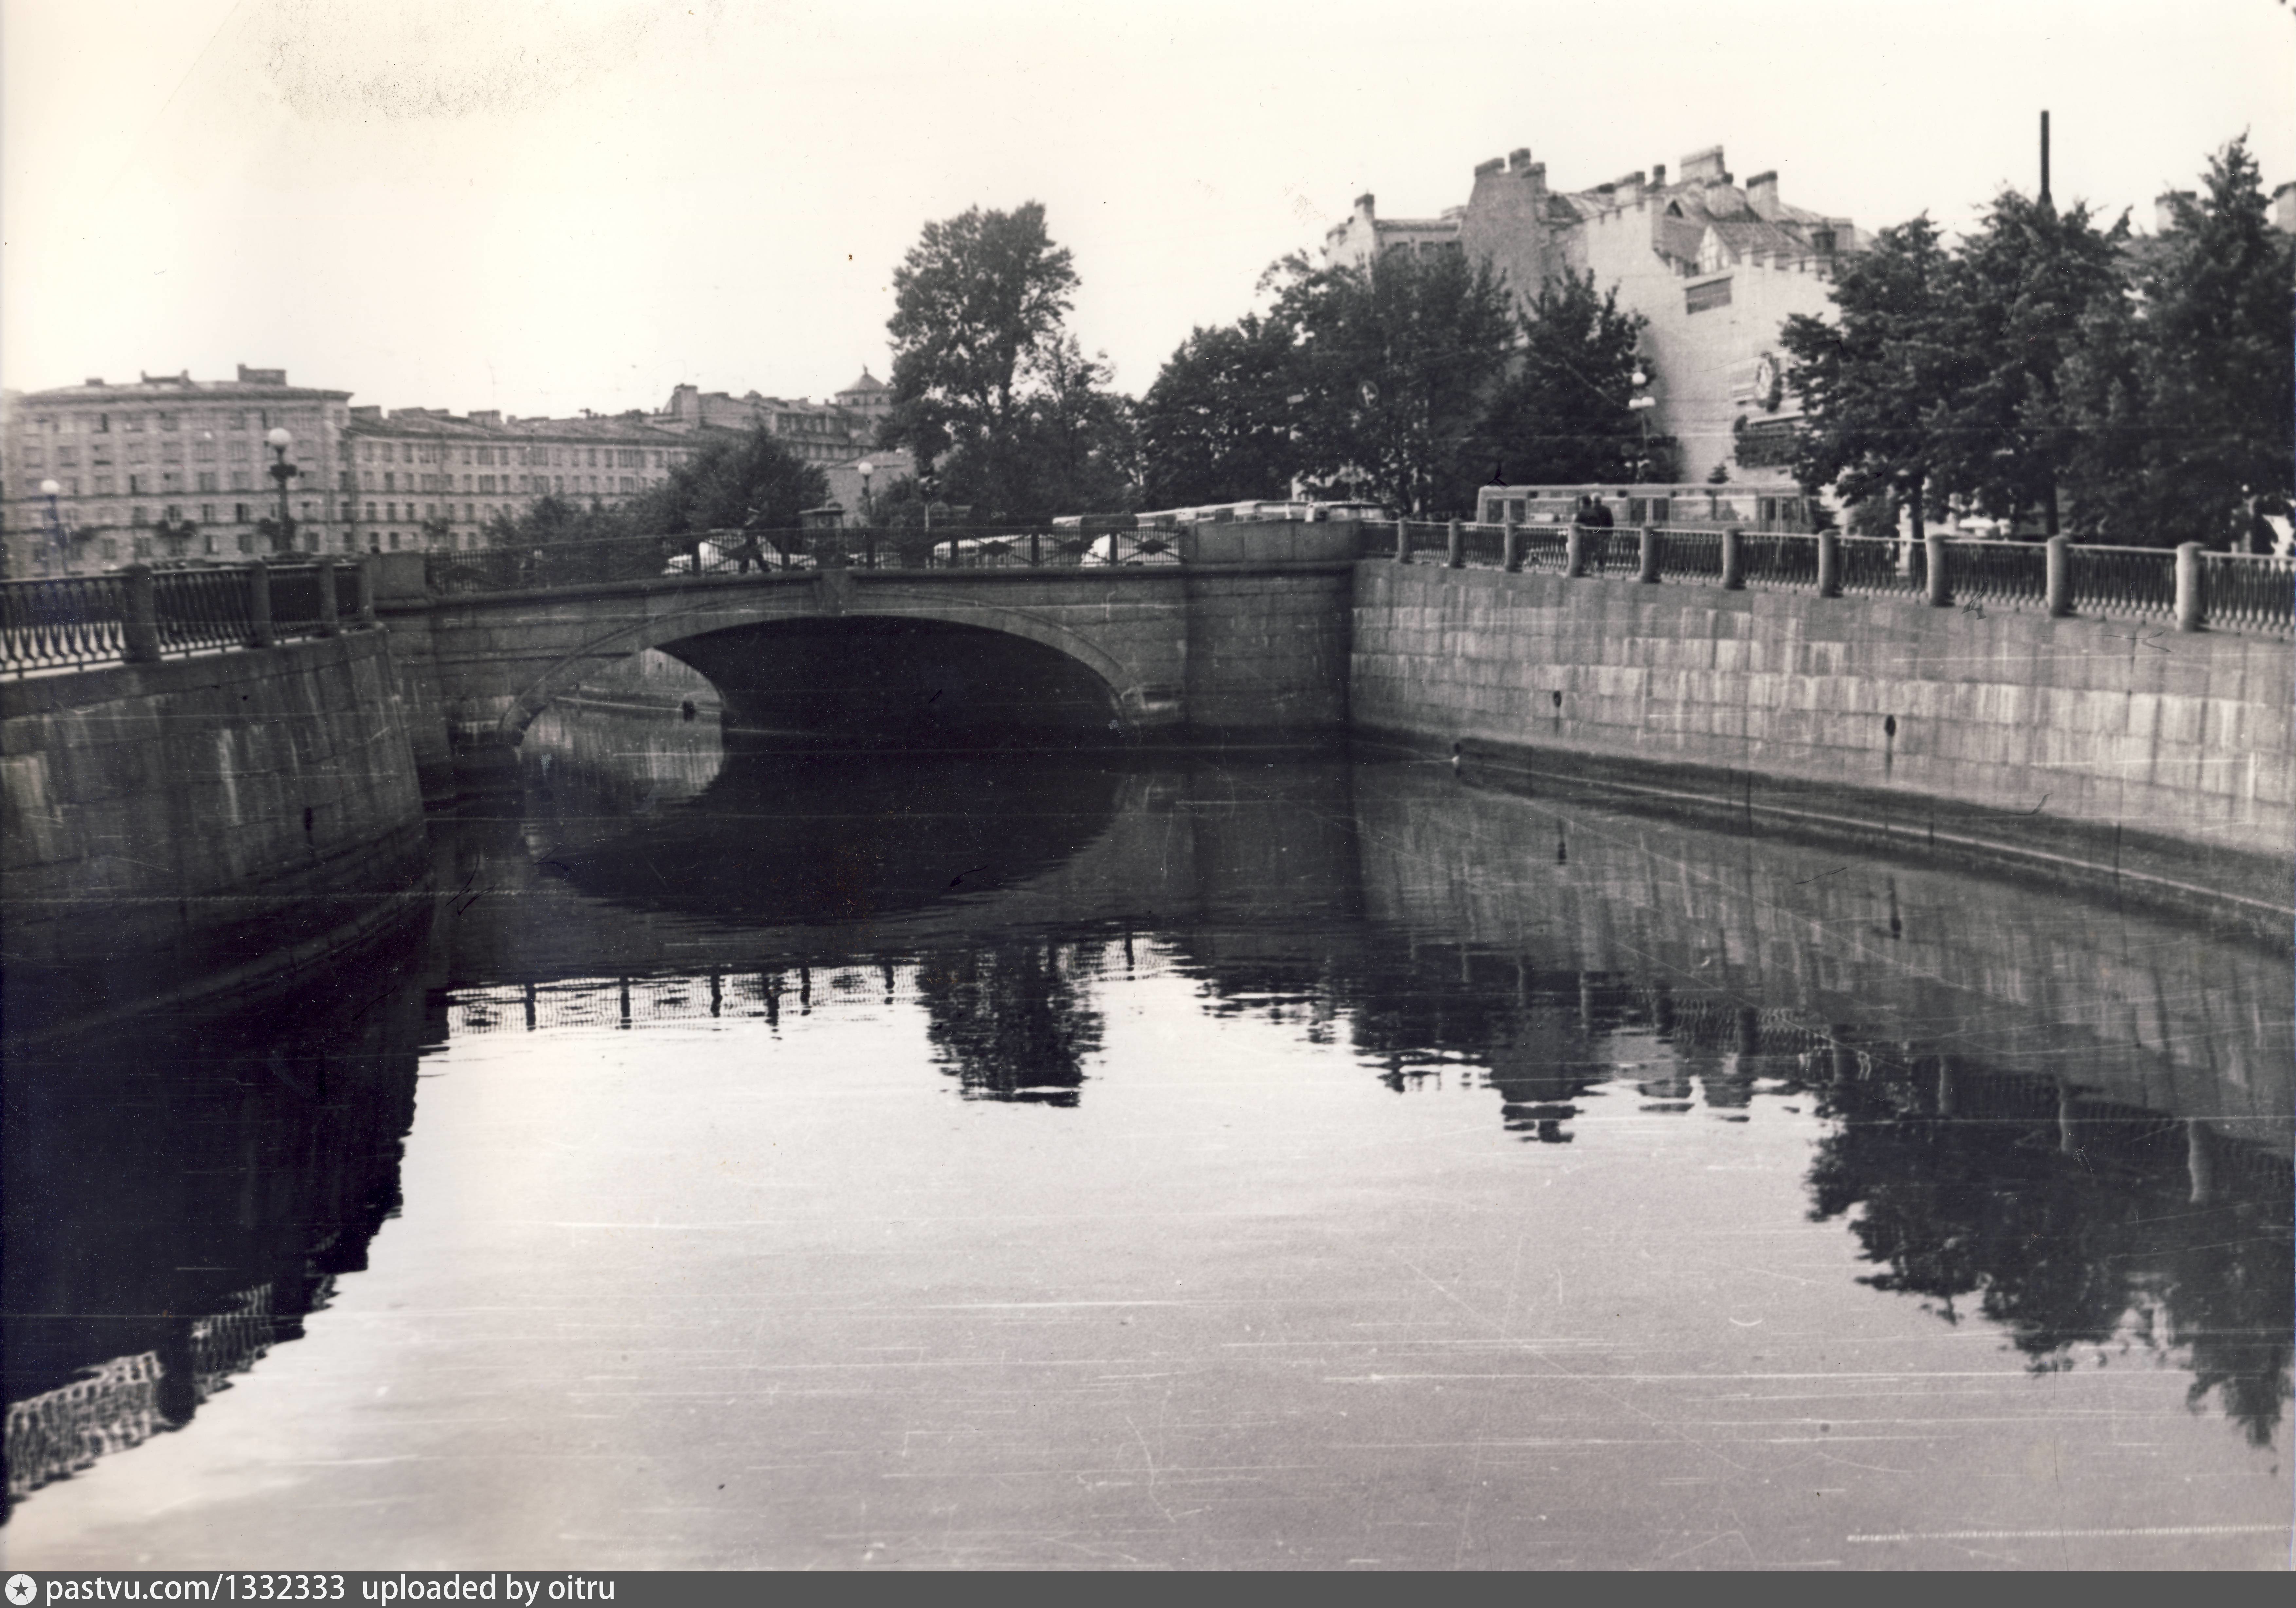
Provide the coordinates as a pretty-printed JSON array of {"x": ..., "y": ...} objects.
[
  {"x": 533, "y": 486},
  {"x": 206, "y": 450},
  {"x": 533, "y": 457},
  {"x": 137, "y": 423}
]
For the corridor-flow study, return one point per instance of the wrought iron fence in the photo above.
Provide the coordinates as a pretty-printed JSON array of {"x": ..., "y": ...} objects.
[
  {"x": 140, "y": 614},
  {"x": 728, "y": 553},
  {"x": 296, "y": 601},
  {"x": 64, "y": 623},
  {"x": 2242, "y": 592},
  {"x": 202, "y": 610}
]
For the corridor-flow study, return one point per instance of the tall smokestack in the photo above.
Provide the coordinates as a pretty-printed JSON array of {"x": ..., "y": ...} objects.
[{"x": 2044, "y": 159}]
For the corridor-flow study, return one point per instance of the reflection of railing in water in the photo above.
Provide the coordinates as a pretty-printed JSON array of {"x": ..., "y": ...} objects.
[{"x": 125, "y": 1401}]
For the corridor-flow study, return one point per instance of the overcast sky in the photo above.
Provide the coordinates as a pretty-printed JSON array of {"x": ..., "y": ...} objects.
[{"x": 546, "y": 204}]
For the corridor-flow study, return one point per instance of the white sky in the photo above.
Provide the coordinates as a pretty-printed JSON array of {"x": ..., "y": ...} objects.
[{"x": 546, "y": 204}]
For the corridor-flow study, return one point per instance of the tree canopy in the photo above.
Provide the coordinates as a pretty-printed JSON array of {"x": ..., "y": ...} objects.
[
  {"x": 1562, "y": 416},
  {"x": 2182, "y": 392},
  {"x": 732, "y": 481},
  {"x": 990, "y": 391},
  {"x": 1395, "y": 364},
  {"x": 1868, "y": 377},
  {"x": 1216, "y": 427},
  {"x": 2137, "y": 391}
]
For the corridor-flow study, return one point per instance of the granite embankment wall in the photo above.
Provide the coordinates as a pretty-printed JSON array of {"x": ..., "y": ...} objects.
[
  {"x": 2081, "y": 743},
  {"x": 172, "y": 827}
]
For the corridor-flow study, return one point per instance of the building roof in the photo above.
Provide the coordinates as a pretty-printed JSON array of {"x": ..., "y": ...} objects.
[
  {"x": 486, "y": 427},
  {"x": 868, "y": 382},
  {"x": 253, "y": 385}
]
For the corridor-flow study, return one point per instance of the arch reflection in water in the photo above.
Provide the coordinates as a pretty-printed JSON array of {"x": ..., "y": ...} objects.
[
  {"x": 786, "y": 839},
  {"x": 182, "y": 1194}
]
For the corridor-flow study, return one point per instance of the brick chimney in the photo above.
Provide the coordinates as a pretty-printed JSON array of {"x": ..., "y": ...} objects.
[
  {"x": 2164, "y": 209},
  {"x": 1762, "y": 194},
  {"x": 1519, "y": 159},
  {"x": 2283, "y": 208},
  {"x": 1705, "y": 167}
]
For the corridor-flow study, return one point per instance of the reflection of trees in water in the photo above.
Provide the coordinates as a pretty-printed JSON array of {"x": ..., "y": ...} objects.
[
  {"x": 2069, "y": 1221},
  {"x": 2106, "y": 1231},
  {"x": 1011, "y": 1022}
]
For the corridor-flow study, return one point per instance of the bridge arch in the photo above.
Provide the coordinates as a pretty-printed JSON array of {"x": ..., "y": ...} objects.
[{"x": 1140, "y": 694}]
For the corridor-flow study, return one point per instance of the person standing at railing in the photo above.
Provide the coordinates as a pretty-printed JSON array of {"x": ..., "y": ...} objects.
[{"x": 1591, "y": 514}]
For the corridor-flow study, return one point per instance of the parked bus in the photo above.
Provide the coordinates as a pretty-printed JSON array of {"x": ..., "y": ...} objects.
[{"x": 1694, "y": 506}]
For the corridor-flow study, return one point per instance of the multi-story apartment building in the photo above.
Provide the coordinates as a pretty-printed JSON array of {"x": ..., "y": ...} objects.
[
  {"x": 825, "y": 433},
  {"x": 423, "y": 476},
  {"x": 1715, "y": 266},
  {"x": 167, "y": 467},
  {"x": 174, "y": 468}
]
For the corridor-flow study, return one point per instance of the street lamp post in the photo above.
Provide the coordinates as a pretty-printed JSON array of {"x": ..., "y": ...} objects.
[
  {"x": 865, "y": 469},
  {"x": 279, "y": 441},
  {"x": 1642, "y": 404},
  {"x": 51, "y": 491}
]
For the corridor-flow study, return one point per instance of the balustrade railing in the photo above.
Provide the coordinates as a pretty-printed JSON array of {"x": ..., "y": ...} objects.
[
  {"x": 2125, "y": 582},
  {"x": 2244, "y": 593},
  {"x": 139, "y": 615},
  {"x": 1882, "y": 565},
  {"x": 1482, "y": 546},
  {"x": 1609, "y": 552},
  {"x": 1999, "y": 574},
  {"x": 1690, "y": 555},
  {"x": 1777, "y": 559},
  {"x": 1544, "y": 547},
  {"x": 62, "y": 623},
  {"x": 298, "y": 609},
  {"x": 202, "y": 610}
]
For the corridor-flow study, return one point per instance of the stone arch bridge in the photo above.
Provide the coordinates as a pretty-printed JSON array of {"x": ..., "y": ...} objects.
[{"x": 1248, "y": 631}]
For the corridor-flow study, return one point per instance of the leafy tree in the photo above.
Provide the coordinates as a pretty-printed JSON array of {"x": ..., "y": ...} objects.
[
  {"x": 1077, "y": 440},
  {"x": 731, "y": 482},
  {"x": 1216, "y": 424},
  {"x": 1396, "y": 364},
  {"x": 980, "y": 303},
  {"x": 1869, "y": 381},
  {"x": 1560, "y": 418},
  {"x": 2183, "y": 396},
  {"x": 438, "y": 534},
  {"x": 2017, "y": 297}
]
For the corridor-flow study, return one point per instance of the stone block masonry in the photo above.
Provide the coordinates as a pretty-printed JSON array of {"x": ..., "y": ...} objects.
[
  {"x": 2104, "y": 739},
  {"x": 168, "y": 825}
]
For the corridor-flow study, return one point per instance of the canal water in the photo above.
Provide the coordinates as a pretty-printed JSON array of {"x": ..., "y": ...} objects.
[{"x": 1286, "y": 1161}]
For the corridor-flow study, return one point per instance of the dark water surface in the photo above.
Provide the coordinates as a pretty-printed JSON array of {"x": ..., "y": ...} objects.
[{"x": 1305, "y": 1161}]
